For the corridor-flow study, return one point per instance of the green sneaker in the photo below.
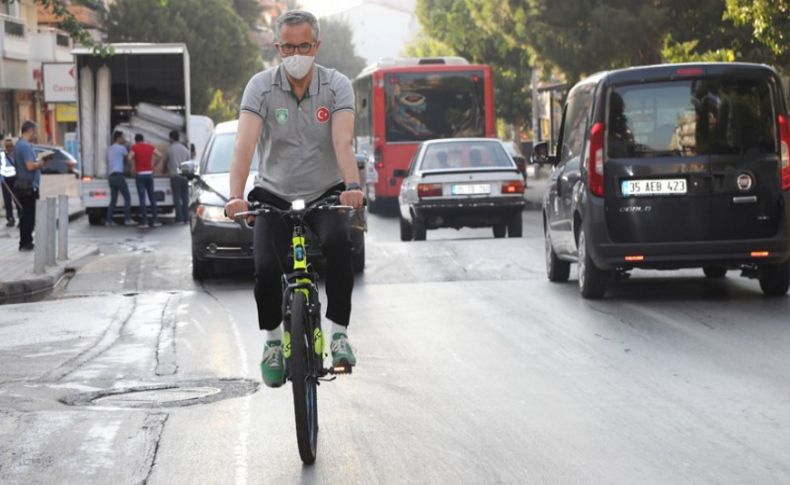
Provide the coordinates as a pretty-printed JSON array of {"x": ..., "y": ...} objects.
[
  {"x": 272, "y": 365},
  {"x": 342, "y": 354}
]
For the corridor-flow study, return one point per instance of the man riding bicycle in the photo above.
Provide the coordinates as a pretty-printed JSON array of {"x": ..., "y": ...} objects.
[{"x": 301, "y": 117}]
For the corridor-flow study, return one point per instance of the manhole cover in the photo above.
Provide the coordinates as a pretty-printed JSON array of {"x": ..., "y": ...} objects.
[{"x": 165, "y": 395}]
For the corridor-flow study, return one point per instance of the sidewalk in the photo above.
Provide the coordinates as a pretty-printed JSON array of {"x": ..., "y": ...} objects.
[{"x": 17, "y": 281}]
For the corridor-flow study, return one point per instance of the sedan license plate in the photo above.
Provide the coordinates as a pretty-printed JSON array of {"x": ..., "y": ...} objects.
[
  {"x": 635, "y": 188},
  {"x": 471, "y": 189}
]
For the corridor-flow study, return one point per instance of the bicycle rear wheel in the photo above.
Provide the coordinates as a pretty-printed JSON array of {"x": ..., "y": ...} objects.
[{"x": 305, "y": 391}]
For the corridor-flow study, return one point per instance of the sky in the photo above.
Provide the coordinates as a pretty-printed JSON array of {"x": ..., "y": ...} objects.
[{"x": 322, "y": 8}]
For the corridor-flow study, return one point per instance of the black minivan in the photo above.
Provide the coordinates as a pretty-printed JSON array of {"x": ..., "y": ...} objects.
[{"x": 671, "y": 166}]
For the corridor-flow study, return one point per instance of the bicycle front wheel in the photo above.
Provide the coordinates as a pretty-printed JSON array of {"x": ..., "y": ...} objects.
[{"x": 304, "y": 383}]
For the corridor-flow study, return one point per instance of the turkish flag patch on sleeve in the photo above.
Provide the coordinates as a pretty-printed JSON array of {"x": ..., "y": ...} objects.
[{"x": 322, "y": 114}]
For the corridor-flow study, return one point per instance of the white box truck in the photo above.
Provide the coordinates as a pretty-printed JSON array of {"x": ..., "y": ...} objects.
[{"x": 140, "y": 88}]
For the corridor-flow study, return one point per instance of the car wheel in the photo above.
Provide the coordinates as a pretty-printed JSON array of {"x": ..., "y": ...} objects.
[
  {"x": 515, "y": 227},
  {"x": 500, "y": 230},
  {"x": 714, "y": 272},
  {"x": 418, "y": 229},
  {"x": 557, "y": 270},
  {"x": 406, "y": 232},
  {"x": 201, "y": 269},
  {"x": 358, "y": 257},
  {"x": 592, "y": 281},
  {"x": 775, "y": 279}
]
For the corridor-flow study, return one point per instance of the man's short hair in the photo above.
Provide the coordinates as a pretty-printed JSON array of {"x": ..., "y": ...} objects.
[
  {"x": 138, "y": 138},
  {"x": 28, "y": 125},
  {"x": 298, "y": 17},
  {"x": 174, "y": 135},
  {"x": 116, "y": 134}
]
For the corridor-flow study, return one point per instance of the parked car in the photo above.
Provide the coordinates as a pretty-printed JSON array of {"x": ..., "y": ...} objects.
[
  {"x": 217, "y": 239},
  {"x": 671, "y": 166},
  {"x": 461, "y": 182},
  {"x": 61, "y": 161},
  {"x": 515, "y": 153}
]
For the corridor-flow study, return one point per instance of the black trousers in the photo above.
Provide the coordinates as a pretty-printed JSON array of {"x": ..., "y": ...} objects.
[
  {"x": 8, "y": 202},
  {"x": 272, "y": 242},
  {"x": 27, "y": 218}
]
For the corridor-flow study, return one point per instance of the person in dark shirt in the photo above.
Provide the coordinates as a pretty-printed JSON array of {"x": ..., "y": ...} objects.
[{"x": 28, "y": 182}]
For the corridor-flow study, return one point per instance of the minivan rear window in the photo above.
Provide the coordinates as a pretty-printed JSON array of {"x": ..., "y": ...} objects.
[{"x": 689, "y": 118}]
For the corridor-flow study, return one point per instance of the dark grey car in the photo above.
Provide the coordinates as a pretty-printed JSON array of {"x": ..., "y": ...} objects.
[{"x": 671, "y": 166}]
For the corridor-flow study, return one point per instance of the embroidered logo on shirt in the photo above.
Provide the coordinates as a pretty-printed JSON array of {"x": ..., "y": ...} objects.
[
  {"x": 322, "y": 114},
  {"x": 281, "y": 115}
]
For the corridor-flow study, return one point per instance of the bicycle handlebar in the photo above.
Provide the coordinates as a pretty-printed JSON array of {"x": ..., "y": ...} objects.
[{"x": 258, "y": 208}]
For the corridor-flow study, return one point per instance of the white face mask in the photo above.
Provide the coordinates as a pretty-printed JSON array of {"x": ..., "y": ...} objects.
[{"x": 298, "y": 66}]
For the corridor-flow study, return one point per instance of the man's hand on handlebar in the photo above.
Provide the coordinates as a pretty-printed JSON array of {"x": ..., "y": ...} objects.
[
  {"x": 354, "y": 198},
  {"x": 234, "y": 206}
]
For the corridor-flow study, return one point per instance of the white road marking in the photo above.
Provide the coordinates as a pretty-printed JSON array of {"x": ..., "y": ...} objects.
[{"x": 244, "y": 423}]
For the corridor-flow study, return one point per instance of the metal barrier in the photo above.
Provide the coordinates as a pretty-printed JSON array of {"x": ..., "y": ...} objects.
[{"x": 52, "y": 232}]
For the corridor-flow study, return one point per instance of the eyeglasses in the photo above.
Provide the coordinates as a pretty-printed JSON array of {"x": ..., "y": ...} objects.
[{"x": 303, "y": 48}]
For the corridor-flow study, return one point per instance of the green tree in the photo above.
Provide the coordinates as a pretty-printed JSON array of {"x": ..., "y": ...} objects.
[
  {"x": 337, "y": 49},
  {"x": 221, "y": 108},
  {"x": 448, "y": 28},
  {"x": 768, "y": 21},
  {"x": 221, "y": 54}
]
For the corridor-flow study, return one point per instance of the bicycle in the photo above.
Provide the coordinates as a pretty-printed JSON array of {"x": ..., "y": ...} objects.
[{"x": 303, "y": 342}]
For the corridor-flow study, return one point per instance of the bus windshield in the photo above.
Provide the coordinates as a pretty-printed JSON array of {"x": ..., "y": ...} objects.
[{"x": 424, "y": 106}]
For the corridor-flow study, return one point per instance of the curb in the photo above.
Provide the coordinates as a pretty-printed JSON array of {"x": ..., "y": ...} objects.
[
  {"x": 76, "y": 215},
  {"x": 39, "y": 287}
]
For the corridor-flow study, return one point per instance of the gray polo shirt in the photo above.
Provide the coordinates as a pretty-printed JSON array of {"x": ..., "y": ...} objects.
[
  {"x": 176, "y": 153},
  {"x": 297, "y": 157}
]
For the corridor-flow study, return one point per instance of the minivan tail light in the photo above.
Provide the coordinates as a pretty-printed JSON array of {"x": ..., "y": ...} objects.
[
  {"x": 690, "y": 71},
  {"x": 784, "y": 137},
  {"x": 429, "y": 190},
  {"x": 595, "y": 159}
]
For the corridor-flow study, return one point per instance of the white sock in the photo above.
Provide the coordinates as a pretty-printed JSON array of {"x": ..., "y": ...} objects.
[
  {"x": 337, "y": 328},
  {"x": 276, "y": 334}
]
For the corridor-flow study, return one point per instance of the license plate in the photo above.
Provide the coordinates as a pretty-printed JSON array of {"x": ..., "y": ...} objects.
[
  {"x": 471, "y": 189},
  {"x": 635, "y": 188}
]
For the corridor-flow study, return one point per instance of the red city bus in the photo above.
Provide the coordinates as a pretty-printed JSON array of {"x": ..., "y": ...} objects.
[{"x": 402, "y": 102}]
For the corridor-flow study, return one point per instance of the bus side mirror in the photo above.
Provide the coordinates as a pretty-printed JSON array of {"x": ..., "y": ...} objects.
[{"x": 400, "y": 173}]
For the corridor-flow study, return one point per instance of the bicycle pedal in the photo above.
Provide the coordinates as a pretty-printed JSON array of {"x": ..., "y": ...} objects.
[{"x": 341, "y": 369}]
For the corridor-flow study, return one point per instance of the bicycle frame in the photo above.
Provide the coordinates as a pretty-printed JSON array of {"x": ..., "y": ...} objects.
[{"x": 303, "y": 281}]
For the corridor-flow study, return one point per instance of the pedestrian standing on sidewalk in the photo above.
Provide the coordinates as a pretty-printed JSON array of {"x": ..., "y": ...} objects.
[
  {"x": 144, "y": 155},
  {"x": 116, "y": 158},
  {"x": 177, "y": 154},
  {"x": 7, "y": 180},
  {"x": 28, "y": 182}
]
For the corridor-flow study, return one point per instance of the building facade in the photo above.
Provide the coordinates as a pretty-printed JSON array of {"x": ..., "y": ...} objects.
[{"x": 25, "y": 45}]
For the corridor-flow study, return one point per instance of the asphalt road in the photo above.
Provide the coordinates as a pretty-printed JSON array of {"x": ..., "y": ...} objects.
[{"x": 473, "y": 368}]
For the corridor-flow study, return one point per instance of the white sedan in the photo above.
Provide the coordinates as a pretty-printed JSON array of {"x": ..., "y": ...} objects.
[{"x": 461, "y": 182}]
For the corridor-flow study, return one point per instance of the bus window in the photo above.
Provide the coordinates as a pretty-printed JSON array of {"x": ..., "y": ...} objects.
[{"x": 424, "y": 106}]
